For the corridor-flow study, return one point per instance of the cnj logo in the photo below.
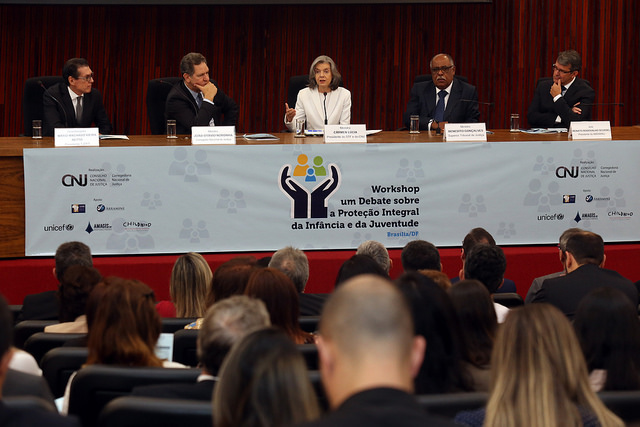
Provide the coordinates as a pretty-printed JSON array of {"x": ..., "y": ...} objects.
[
  {"x": 69, "y": 180},
  {"x": 563, "y": 171}
]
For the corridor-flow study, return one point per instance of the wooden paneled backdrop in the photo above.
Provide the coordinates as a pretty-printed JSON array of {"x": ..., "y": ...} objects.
[{"x": 503, "y": 48}]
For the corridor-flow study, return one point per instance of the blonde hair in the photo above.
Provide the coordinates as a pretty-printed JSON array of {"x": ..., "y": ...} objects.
[
  {"x": 190, "y": 281},
  {"x": 539, "y": 375}
]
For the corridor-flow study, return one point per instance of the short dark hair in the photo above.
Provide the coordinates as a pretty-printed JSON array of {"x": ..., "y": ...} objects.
[
  {"x": 357, "y": 265},
  {"x": 475, "y": 236},
  {"x": 570, "y": 58},
  {"x": 70, "y": 68},
  {"x": 487, "y": 264},
  {"x": 76, "y": 286},
  {"x": 189, "y": 61},
  {"x": 586, "y": 247},
  {"x": 420, "y": 255},
  {"x": 72, "y": 253},
  {"x": 6, "y": 327}
]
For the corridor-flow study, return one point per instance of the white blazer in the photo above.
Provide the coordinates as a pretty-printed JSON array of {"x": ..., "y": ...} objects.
[{"x": 310, "y": 106}]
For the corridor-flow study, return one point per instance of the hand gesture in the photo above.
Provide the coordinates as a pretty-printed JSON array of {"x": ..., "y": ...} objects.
[
  {"x": 209, "y": 90},
  {"x": 289, "y": 113}
]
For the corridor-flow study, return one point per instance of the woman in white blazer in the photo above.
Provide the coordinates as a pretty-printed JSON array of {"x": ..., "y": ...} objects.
[{"x": 324, "y": 101}]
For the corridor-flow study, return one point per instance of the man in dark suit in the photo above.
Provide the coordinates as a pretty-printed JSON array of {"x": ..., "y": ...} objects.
[
  {"x": 197, "y": 101},
  {"x": 444, "y": 99},
  {"x": 74, "y": 104},
  {"x": 563, "y": 99},
  {"x": 583, "y": 262}
]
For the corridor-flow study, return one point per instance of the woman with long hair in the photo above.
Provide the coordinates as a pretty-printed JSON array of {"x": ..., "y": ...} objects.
[{"x": 189, "y": 286}]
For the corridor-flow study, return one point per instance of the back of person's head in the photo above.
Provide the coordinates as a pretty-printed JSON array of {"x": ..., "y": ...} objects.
[
  {"x": 264, "y": 383},
  {"x": 225, "y": 323},
  {"x": 487, "y": 264},
  {"x": 72, "y": 253},
  {"x": 230, "y": 279},
  {"x": 76, "y": 286},
  {"x": 294, "y": 263},
  {"x": 474, "y": 237},
  {"x": 357, "y": 265},
  {"x": 608, "y": 329},
  {"x": 538, "y": 373},
  {"x": 124, "y": 326},
  {"x": 6, "y": 329},
  {"x": 420, "y": 255},
  {"x": 439, "y": 278},
  {"x": 586, "y": 247},
  {"x": 280, "y": 296},
  {"x": 70, "y": 68},
  {"x": 477, "y": 317},
  {"x": 562, "y": 241},
  {"x": 190, "y": 281},
  {"x": 377, "y": 251},
  {"x": 442, "y": 370}
]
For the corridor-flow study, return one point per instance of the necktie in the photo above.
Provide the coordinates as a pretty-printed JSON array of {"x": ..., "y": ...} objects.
[
  {"x": 438, "y": 116},
  {"x": 79, "y": 108},
  {"x": 199, "y": 99},
  {"x": 564, "y": 90}
]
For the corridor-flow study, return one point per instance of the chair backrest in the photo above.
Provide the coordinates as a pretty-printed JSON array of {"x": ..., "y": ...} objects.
[
  {"x": 508, "y": 299},
  {"x": 316, "y": 382},
  {"x": 310, "y": 354},
  {"x": 426, "y": 77},
  {"x": 23, "y": 330},
  {"x": 625, "y": 404},
  {"x": 449, "y": 404},
  {"x": 15, "y": 311},
  {"x": 32, "y": 108},
  {"x": 296, "y": 84},
  {"x": 29, "y": 403},
  {"x": 133, "y": 411},
  {"x": 309, "y": 323},
  {"x": 185, "y": 347},
  {"x": 157, "y": 92},
  {"x": 96, "y": 385},
  {"x": 173, "y": 324},
  {"x": 40, "y": 343},
  {"x": 59, "y": 364}
]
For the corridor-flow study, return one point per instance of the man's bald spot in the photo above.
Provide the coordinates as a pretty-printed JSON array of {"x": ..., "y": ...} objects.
[
  {"x": 445, "y": 55},
  {"x": 368, "y": 313}
]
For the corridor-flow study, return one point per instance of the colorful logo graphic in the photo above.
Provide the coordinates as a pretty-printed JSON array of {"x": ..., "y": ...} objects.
[
  {"x": 310, "y": 186},
  {"x": 78, "y": 208}
]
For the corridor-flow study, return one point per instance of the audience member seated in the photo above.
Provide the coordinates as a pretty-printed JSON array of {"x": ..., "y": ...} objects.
[
  {"x": 77, "y": 283},
  {"x": 189, "y": 285},
  {"x": 369, "y": 355},
  {"x": 539, "y": 376},
  {"x": 225, "y": 323},
  {"x": 438, "y": 277},
  {"x": 24, "y": 362},
  {"x": 264, "y": 382},
  {"x": 14, "y": 417},
  {"x": 420, "y": 255},
  {"x": 124, "y": 328},
  {"x": 378, "y": 252},
  {"x": 487, "y": 264},
  {"x": 356, "y": 265},
  {"x": 444, "y": 369},
  {"x": 478, "y": 323},
  {"x": 279, "y": 294},
  {"x": 608, "y": 329},
  {"x": 45, "y": 305},
  {"x": 294, "y": 263},
  {"x": 584, "y": 264}
]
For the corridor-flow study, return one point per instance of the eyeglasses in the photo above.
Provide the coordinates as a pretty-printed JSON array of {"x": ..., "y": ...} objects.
[
  {"x": 445, "y": 69},
  {"x": 86, "y": 78},
  {"x": 555, "y": 67}
]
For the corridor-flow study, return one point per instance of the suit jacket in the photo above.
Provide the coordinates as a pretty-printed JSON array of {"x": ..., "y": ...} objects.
[
  {"x": 310, "y": 106},
  {"x": 566, "y": 292},
  {"x": 462, "y": 106},
  {"x": 380, "y": 407},
  {"x": 537, "y": 284},
  {"x": 12, "y": 417},
  {"x": 202, "y": 390},
  {"x": 543, "y": 111},
  {"x": 41, "y": 306},
  {"x": 182, "y": 107},
  {"x": 59, "y": 111}
]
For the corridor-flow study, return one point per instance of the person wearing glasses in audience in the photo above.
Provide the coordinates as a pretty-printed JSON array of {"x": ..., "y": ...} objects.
[
  {"x": 323, "y": 102},
  {"x": 444, "y": 99},
  {"x": 564, "y": 98},
  {"x": 74, "y": 103}
]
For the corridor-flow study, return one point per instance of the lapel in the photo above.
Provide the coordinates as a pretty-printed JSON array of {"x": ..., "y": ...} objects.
[
  {"x": 316, "y": 99},
  {"x": 430, "y": 98},
  {"x": 454, "y": 99},
  {"x": 570, "y": 93},
  {"x": 187, "y": 93},
  {"x": 68, "y": 106}
]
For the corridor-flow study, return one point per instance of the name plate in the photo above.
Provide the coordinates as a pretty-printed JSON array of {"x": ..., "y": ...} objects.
[
  {"x": 213, "y": 135},
  {"x": 76, "y": 137},
  {"x": 590, "y": 130},
  {"x": 465, "y": 132},
  {"x": 345, "y": 133}
]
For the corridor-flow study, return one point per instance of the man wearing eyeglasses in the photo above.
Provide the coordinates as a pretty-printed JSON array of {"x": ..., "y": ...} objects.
[
  {"x": 74, "y": 103},
  {"x": 444, "y": 99},
  {"x": 564, "y": 98}
]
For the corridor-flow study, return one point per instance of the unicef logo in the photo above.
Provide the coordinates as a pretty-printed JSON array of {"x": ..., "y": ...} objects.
[
  {"x": 69, "y": 227},
  {"x": 100, "y": 208},
  {"x": 589, "y": 198},
  {"x": 560, "y": 216}
]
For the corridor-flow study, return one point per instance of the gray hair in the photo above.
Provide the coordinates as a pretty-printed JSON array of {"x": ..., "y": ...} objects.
[
  {"x": 294, "y": 263},
  {"x": 189, "y": 61},
  {"x": 336, "y": 77},
  {"x": 377, "y": 251},
  {"x": 570, "y": 58}
]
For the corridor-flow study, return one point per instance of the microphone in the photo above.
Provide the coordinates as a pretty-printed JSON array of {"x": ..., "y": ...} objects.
[
  {"x": 617, "y": 104},
  {"x": 66, "y": 121},
  {"x": 326, "y": 121},
  {"x": 490, "y": 104}
]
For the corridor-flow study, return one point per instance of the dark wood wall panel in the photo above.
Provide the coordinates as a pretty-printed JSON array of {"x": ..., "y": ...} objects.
[{"x": 502, "y": 47}]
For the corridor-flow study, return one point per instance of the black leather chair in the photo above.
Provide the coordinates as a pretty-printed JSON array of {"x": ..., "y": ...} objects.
[
  {"x": 96, "y": 385},
  {"x": 40, "y": 343},
  {"x": 625, "y": 404},
  {"x": 32, "y": 108},
  {"x": 29, "y": 403},
  {"x": 449, "y": 404},
  {"x": 133, "y": 411},
  {"x": 509, "y": 300},
  {"x": 316, "y": 382},
  {"x": 157, "y": 92},
  {"x": 296, "y": 84},
  {"x": 309, "y": 323},
  {"x": 59, "y": 364},
  {"x": 174, "y": 324},
  {"x": 310, "y": 354},
  {"x": 15, "y": 311},
  {"x": 23, "y": 330},
  {"x": 184, "y": 347}
]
